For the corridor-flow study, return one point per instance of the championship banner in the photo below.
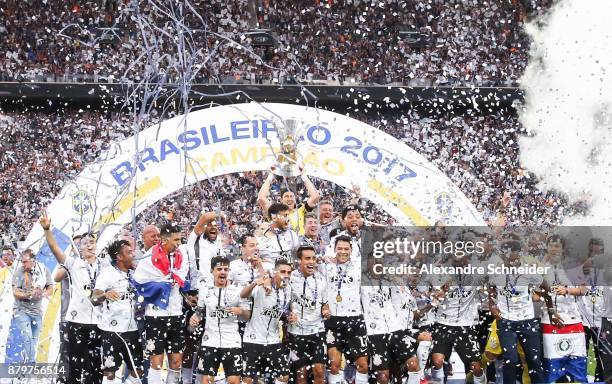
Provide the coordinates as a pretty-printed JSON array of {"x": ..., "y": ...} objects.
[{"x": 135, "y": 173}]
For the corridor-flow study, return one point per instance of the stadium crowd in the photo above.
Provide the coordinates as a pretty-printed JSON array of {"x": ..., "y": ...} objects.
[{"x": 468, "y": 43}]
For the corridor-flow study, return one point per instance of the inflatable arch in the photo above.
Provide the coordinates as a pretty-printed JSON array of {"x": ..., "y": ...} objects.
[{"x": 140, "y": 170}]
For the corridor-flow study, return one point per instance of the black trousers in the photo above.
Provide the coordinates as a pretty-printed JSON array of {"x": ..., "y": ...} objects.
[
  {"x": 605, "y": 348},
  {"x": 85, "y": 354},
  {"x": 63, "y": 354}
]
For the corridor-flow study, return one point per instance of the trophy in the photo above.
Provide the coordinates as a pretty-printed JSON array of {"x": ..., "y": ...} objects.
[{"x": 287, "y": 160}]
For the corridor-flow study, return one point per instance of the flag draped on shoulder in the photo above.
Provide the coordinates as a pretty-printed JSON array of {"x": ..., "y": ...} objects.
[{"x": 156, "y": 275}]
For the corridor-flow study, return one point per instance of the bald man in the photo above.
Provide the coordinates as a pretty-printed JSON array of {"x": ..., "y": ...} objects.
[{"x": 150, "y": 236}]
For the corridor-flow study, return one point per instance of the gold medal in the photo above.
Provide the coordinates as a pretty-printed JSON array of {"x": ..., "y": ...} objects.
[
  {"x": 338, "y": 298},
  {"x": 593, "y": 299},
  {"x": 515, "y": 299},
  {"x": 87, "y": 292}
]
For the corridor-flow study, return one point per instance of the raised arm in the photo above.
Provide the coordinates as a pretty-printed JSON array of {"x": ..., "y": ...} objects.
[
  {"x": 313, "y": 192},
  {"x": 205, "y": 219},
  {"x": 262, "y": 195},
  {"x": 60, "y": 274},
  {"x": 45, "y": 223}
]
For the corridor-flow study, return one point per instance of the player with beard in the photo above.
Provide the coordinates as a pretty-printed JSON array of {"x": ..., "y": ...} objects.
[
  {"x": 510, "y": 300},
  {"x": 121, "y": 341},
  {"x": 263, "y": 351},
  {"x": 345, "y": 329},
  {"x": 219, "y": 304},
  {"x": 160, "y": 278},
  {"x": 308, "y": 310},
  {"x": 456, "y": 320},
  {"x": 279, "y": 240},
  {"x": 388, "y": 343},
  {"x": 84, "y": 344},
  {"x": 352, "y": 221},
  {"x": 295, "y": 213},
  {"x": 204, "y": 243}
]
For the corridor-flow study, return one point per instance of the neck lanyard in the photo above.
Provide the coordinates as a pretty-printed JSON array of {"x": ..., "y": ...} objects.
[
  {"x": 282, "y": 251},
  {"x": 92, "y": 279},
  {"x": 512, "y": 291},
  {"x": 251, "y": 270},
  {"x": 513, "y": 285},
  {"x": 282, "y": 307},
  {"x": 556, "y": 282},
  {"x": 382, "y": 300},
  {"x": 593, "y": 278},
  {"x": 314, "y": 293},
  {"x": 341, "y": 275},
  {"x": 224, "y": 298}
]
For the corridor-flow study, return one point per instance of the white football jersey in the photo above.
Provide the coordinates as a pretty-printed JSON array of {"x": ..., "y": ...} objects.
[
  {"x": 82, "y": 282},
  {"x": 264, "y": 325},
  {"x": 117, "y": 316},
  {"x": 514, "y": 298},
  {"x": 308, "y": 295},
  {"x": 221, "y": 328},
  {"x": 379, "y": 311},
  {"x": 343, "y": 288}
]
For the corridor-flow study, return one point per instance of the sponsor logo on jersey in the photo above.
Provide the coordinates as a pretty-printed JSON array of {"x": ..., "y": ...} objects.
[
  {"x": 380, "y": 297},
  {"x": 272, "y": 312},
  {"x": 345, "y": 280},
  {"x": 305, "y": 302},
  {"x": 221, "y": 313},
  {"x": 459, "y": 292}
]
